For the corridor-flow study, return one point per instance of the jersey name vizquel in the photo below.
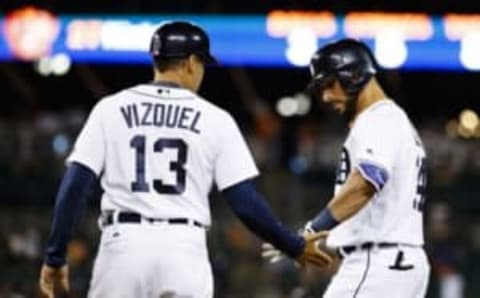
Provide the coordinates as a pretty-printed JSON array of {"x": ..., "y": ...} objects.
[{"x": 161, "y": 115}]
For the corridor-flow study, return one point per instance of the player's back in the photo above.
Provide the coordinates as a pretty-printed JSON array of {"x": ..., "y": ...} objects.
[
  {"x": 162, "y": 149},
  {"x": 384, "y": 136}
]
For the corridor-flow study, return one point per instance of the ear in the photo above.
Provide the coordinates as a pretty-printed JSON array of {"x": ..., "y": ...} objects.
[{"x": 190, "y": 63}]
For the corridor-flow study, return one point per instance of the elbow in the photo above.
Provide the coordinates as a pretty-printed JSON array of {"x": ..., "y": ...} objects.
[
  {"x": 362, "y": 186},
  {"x": 367, "y": 191}
]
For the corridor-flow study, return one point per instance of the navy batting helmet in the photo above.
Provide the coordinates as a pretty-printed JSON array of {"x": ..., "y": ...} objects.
[
  {"x": 349, "y": 61},
  {"x": 180, "y": 40}
]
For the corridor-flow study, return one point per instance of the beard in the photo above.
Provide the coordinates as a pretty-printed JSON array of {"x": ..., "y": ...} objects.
[{"x": 350, "y": 108}]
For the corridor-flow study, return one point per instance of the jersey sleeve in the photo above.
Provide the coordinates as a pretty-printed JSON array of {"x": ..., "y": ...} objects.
[
  {"x": 234, "y": 162},
  {"x": 89, "y": 148},
  {"x": 375, "y": 142}
]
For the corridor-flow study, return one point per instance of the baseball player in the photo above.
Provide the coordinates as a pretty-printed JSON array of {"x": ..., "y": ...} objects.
[
  {"x": 375, "y": 217},
  {"x": 157, "y": 148}
]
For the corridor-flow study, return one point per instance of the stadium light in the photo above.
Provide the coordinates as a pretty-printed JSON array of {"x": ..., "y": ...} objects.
[
  {"x": 297, "y": 105},
  {"x": 469, "y": 119},
  {"x": 302, "y": 43},
  {"x": 469, "y": 49},
  {"x": 58, "y": 64},
  {"x": 390, "y": 49},
  {"x": 287, "y": 106}
]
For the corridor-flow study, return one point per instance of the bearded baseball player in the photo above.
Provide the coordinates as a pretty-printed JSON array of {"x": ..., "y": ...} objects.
[
  {"x": 375, "y": 218},
  {"x": 157, "y": 148}
]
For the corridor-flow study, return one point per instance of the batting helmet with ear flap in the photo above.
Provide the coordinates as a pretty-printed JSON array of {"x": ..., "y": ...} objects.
[{"x": 349, "y": 61}]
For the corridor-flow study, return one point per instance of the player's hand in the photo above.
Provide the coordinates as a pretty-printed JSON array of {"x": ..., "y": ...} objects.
[
  {"x": 307, "y": 229},
  {"x": 52, "y": 278},
  {"x": 272, "y": 254},
  {"x": 315, "y": 251}
]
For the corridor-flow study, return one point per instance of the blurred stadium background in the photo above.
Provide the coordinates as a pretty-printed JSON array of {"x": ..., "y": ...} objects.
[{"x": 57, "y": 58}]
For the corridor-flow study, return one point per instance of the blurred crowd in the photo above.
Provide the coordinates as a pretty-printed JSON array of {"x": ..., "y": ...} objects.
[{"x": 39, "y": 122}]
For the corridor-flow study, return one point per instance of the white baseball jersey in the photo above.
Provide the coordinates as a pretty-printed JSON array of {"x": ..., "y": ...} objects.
[
  {"x": 159, "y": 149},
  {"x": 383, "y": 137}
]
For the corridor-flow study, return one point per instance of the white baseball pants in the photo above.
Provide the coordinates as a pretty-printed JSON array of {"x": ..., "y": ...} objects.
[
  {"x": 152, "y": 260},
  {"x": 397, "y": 272}
]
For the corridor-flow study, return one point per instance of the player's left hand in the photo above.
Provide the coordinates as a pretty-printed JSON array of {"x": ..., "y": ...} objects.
[{"x": 52, "y": 277}]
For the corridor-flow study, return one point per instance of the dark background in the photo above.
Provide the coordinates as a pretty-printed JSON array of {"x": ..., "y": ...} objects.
[{"x": 299, "y": 154}]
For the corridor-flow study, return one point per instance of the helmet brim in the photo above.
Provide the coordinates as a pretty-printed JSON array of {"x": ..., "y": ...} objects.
[
  {"x": 208, "y": 59},
  {"x": 319, "y": 82}
]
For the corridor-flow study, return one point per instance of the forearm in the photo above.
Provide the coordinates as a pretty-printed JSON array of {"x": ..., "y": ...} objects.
[
  {"x": 254, "y": 212},
  {"x": 352, "y": 197},
  {"x": 77, "y": 184}
]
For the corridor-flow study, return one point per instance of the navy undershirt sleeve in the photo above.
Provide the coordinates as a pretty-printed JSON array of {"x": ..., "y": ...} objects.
[
  {"x": 254, "y": 212},
  {"x": 77, "y": 185},
  {"x": 324, "y": 221}
]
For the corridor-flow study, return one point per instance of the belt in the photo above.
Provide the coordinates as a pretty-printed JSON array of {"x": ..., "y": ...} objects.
[
  {"x": 346, "y": 250},
  {"x": 108, "y": 218}
]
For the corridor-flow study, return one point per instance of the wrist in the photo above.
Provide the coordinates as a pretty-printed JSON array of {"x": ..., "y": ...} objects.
[
  {"x": 54, "y": 261},
  {"x": 323, "y": 221},
  {"x": 300, "y": 248}
]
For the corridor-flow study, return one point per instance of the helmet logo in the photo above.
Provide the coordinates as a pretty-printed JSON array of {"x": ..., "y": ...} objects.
[
  {"x": 176, "y": 37},
  {"x": 312, "y": 70},
  {"x": 156, "y": 45}
]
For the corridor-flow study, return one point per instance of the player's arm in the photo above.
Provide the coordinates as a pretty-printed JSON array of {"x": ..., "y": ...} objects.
[
  {"x": 361, "y": 185},
  {"x": 254, "y": 212},
  {"x": 77, "y": 184},
  {"x": 234, "y": 168},
  {"x": 375, "y": 154}
]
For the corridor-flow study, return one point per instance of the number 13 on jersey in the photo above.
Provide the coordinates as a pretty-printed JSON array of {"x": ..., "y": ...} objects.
[{"x": 138, "y": 143}]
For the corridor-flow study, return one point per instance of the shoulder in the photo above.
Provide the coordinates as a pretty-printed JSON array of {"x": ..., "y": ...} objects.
[{"x": 385, "y": 114}]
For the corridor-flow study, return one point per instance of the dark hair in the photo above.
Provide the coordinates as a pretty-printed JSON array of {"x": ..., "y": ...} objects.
[{"x": 164, "y": 64}]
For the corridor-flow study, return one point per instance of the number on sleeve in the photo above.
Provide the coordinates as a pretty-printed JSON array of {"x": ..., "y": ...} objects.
[{"x": 419, "y": 200}]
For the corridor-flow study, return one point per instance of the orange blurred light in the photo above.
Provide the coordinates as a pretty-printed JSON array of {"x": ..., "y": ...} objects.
[
  {"x": 457, "y": 26},
  {"x": 411, "y": 26},
  {"x": 84, "y": 34},
  {"x": 30, "y": 32},
  {"x": 281, "y": 23}
]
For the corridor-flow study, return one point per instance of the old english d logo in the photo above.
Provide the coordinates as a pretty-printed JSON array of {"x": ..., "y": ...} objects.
[
  {"x": 30, "y": 33},
  {"x": 343, "y": 167}
]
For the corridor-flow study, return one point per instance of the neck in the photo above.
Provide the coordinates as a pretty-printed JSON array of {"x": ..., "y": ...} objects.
[
  {"x": 371, "y": 94},
  {"x": 169, "y": 76}
]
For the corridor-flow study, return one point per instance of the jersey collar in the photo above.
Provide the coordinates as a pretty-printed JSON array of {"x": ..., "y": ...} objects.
[
  {"x": 165, "y": 84},
  {"x": 164, "y": 90}
]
